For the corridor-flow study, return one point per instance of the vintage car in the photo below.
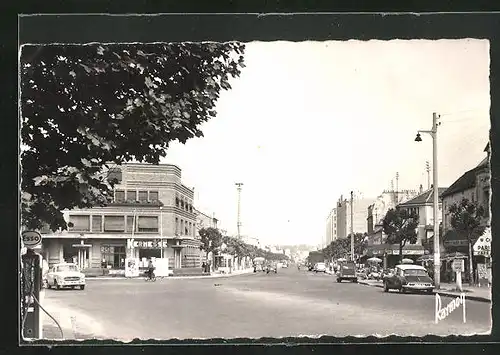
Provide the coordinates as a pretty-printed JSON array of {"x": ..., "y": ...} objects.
[
  {"x": 65, "y": 275},
  {"x": 407, "y": 278},
  {"x": 320, "y": 267},
  {"x": 347, "y": 271}
]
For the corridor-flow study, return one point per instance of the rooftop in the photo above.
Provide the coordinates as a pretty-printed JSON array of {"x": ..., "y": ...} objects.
[{"x": 423, "y": 198}]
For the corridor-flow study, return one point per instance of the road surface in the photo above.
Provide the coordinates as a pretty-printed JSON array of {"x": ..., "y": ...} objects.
[{"x": 289, "y": 303}]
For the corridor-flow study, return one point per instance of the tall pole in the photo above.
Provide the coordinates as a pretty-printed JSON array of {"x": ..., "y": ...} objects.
[
  {"x": 238, "y": 223},
  {"x": 437, "y": 256},
  {"x": 161, "y": 232},
  {"x": 352, "y": 226},
  {"x": 435, "y": 192}
]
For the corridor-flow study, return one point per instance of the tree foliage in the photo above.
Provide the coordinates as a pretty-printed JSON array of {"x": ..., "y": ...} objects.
[
  {"x": 211, "y": 239},
  {"x": 341, "y": 248},
  {"x": 400, "y": 224},
  {"x": 466, "y": 218},
  {"x": 83, "y": 107}
]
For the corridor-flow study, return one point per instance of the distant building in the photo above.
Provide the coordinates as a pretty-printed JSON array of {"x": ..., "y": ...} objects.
[
  {"x": 331, "y": 227},
  {"x": 204, "y": 220},
  {"x": 343, "y": 216},
  {"x": 423, "y": 206}
]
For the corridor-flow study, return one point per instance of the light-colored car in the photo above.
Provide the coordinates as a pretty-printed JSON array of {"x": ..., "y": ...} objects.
[
  {"x": 409, "y": 278},
  {"x": 65, "y": 275},
  {"x": 320, "y": 267}
]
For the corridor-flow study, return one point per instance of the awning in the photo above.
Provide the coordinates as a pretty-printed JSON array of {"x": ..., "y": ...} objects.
[{"x": 393, "y": 249}]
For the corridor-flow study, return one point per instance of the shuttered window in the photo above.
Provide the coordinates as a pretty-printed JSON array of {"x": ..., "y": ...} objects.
[
  {"x": 143, "y": 196},
  {"x": 119, "y": 195},
  {"x": 114, "y": 223},
  {"x": 96, "y": 223},
  {"x": 79, "y": 223},
  {"x": 148, "y": 224},
  {"x": 131, "y": 195},
  {"x": 153, "y": 195}
]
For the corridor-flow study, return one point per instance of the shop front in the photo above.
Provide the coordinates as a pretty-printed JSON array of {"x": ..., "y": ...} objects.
[{"x": 389, "y": 253}]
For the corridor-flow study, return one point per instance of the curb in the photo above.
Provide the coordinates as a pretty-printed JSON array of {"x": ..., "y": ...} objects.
[
  {"x": 444, "y": 293},
  {"x": 214, "y": 276}
]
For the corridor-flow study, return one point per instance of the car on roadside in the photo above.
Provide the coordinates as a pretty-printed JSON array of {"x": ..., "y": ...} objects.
[
  {"x": 347, "y": 271},
  {"x": 407, "y": 278},
  {"x": 65, "y": 275},
  {"x": 320, "y": 267}
]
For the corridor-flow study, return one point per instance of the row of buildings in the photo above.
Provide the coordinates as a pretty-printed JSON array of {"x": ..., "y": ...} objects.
[
  {"x": 152, "y": 215},
  {"x": 473, "y": 185}
]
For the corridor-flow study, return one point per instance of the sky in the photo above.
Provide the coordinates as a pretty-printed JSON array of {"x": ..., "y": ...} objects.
[{"x": 308, "y": 121}]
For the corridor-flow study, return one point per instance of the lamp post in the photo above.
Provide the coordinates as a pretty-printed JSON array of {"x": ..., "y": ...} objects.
[{"x": 437, "y": 256}]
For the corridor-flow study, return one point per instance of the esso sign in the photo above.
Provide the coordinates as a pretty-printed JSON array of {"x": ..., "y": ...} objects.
[{"x": 31, "y": 239}]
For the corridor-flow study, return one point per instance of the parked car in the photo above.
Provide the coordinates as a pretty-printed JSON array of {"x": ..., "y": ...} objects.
[
  {"x": 65, "y": 275},
  {"x": 320, "y": 267},
  {"x": 347, "y": 271},
  {"x": 407, "y": 278}
]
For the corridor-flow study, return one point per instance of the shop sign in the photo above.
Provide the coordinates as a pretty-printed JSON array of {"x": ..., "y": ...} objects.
[
  {"x": 146, "y": 244},
  {"x": 31, "y": 239},
  {"x": 458, "y": 265},
  {"x": 483, "y": 246},
  {"x": 408, "y": 252},
  {"x": 461, "y": 242}
]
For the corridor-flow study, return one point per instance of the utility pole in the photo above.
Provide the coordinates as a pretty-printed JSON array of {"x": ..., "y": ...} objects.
[
  {"x": 437, "y": 254},
  {"x": 238, "y": 223},
  {"x": 428, "y": 170},
  {"x": 352, "y": 226}
]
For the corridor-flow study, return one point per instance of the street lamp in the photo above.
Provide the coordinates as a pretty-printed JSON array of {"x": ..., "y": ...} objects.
[{"x": 418, "y": 138}]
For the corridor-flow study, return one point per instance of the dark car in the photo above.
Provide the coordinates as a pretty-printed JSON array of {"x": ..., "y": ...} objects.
[
  {"x": 347, "y": 271},
  {"x": 407, "y": 278}
]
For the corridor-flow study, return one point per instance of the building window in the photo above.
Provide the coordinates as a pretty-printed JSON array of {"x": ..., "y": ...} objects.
[
  {"x": 153, "y": 195},
  {"x": 79, "y": 223},
  {"x": 131, "y": 195},
  {"x": 114, "y": 223},
  {"x": 119, "y": 196},
  {"x": 143, "y": 196},
  {"x": 177, "y": 202},
  {"x": 113, "y": 256},
  {"x": 182, "y": 204},
  {"x": 176, "y": 225},
  {"x": 147, "y": 224},
  {"x": 130, "y": 224},
  {"x": 96, "y": 223}
]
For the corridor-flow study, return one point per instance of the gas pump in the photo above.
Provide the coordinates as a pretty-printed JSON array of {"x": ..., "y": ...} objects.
[{"x": 31, "y": 284}]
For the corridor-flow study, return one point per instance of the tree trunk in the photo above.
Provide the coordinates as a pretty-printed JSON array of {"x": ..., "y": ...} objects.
[
  {"x": 401, "y": 252},
  {"x": 471, "y": 271}
]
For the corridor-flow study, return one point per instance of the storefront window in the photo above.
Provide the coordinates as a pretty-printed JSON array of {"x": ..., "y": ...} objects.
[
  {"x": 79, "y": 223},
  {"x": 113, "y": 256},
  {"x": 114, "y": 223}
]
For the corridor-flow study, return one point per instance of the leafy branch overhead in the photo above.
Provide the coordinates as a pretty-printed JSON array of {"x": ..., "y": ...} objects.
[{"x": 83, "y": 107}]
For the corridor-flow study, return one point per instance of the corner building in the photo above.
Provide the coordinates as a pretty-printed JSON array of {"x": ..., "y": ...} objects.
[{"x": 152, "y": 215}]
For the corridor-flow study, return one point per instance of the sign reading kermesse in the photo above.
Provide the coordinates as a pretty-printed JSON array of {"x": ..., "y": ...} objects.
[{"x": 146, "y": 244}]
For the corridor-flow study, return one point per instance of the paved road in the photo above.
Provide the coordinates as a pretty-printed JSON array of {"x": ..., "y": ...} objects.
[{"x": 290, "y": 303}]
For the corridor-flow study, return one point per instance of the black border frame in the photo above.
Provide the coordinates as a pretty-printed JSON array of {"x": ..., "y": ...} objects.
[{"x": 293, "y": 27}]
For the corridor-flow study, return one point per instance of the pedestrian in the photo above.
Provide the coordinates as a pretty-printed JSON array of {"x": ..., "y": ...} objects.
[{"x": 203, "y": 267}]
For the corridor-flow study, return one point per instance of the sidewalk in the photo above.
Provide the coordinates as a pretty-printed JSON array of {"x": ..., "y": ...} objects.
[
  {"x": 74, "y": 325},
  {"x": 473, "y": 293},
  {"x": 212, "y": 275}
]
